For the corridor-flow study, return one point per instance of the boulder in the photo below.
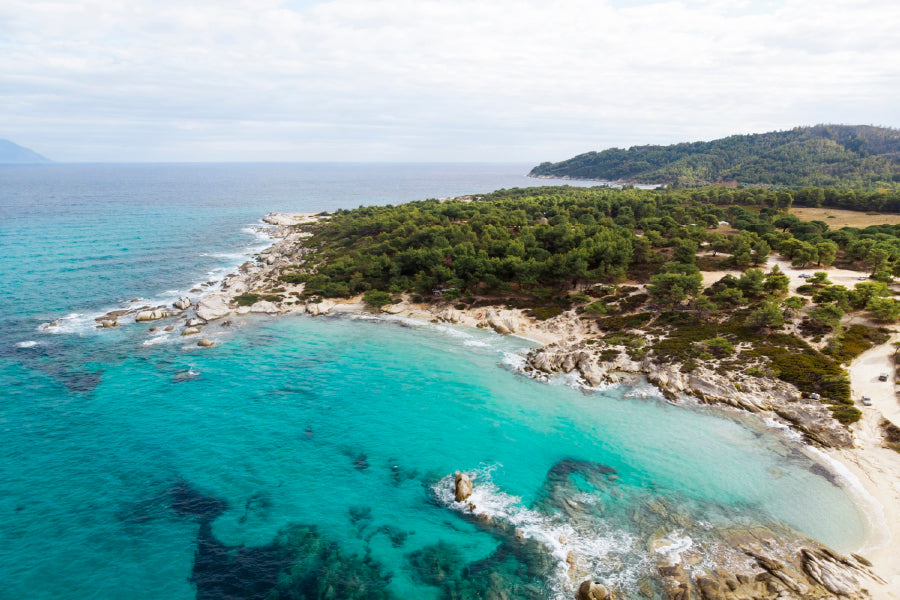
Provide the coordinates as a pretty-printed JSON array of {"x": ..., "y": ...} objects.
[
  {"x": 264, "y": 306},
  {"x": 107, "y": 323},
  {"x": 182, "y": 303},
  {"x": 214, "y": 306},
  {"x": 462, "y": 486},
  {"x": 319, "y": 308},
  {"x": 152, "y": 315},
  {"x": 195, "y": 322},
  {"x": 190, "y": 331},
  {"x": 205, "y": 343},
  {"x": 591, "y": 590}
]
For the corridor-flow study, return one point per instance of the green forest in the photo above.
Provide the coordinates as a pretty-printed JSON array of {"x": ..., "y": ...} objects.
[
  {"x": 846, "y": 156},
  {"x": 631, "y": 260}
]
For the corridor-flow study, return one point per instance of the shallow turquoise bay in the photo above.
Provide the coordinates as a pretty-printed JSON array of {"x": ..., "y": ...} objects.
[{"x": 347, "y": 424}]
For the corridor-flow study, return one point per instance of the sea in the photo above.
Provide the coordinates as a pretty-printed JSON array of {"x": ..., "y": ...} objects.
[{"x": 306, "y": 457}]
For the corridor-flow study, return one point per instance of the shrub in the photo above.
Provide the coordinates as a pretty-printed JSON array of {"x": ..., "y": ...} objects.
[
  {"x": 246, "y": 299},
  {"x": 542, "y": 313},
  {"x": 294, "y": 278},
  {"x": 376, "y": 298},
  {"x": 845, "y": 414}
]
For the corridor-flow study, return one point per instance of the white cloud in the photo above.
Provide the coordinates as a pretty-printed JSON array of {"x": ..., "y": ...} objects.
[{"x": 430, "y": 79}]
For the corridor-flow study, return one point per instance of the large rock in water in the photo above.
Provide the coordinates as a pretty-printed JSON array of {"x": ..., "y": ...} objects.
[
  {"x": 152, "y": 315},
  {"x": 591, "y": 590},
  {"x": 182, "y": 303},
  {"x": 463, "y": 486},
  {"x": 214, "y": 306}
]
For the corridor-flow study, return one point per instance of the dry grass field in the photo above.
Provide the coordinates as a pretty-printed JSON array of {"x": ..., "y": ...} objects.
[{"x": 837, "y": 218}]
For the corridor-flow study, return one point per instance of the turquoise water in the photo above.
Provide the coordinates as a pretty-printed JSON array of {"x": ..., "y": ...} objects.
[{"x": 348, "y": 427}]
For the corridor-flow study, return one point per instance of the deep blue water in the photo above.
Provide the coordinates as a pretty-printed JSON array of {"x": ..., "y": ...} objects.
[{"x": 120, "y": 446}]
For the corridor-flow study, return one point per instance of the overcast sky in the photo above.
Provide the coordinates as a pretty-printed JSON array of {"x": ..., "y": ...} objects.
[{"x": 432, "y": 80}]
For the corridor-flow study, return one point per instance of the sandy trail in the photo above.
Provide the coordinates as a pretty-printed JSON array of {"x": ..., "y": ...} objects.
[{"x": 876, "y": 467}]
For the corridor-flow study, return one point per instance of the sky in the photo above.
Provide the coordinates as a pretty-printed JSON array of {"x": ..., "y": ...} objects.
[{"x": 432, "y": 80}]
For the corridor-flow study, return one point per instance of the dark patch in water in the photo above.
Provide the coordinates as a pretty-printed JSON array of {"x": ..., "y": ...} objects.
[
  {"x": 258, "y": 504},
  {"x": 435, "y": 564},
  {"x": 396, "y": 535},
  {"x": 817, "y": 469},
  {"x": 188, "y": 502},
  {"x": 399, "y": 474},
  {"x": 361, "y": 463},
  {"x": 299, "y": 564}
]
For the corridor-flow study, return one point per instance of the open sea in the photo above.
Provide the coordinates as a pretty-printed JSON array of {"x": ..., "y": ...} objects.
[{"x": 312, "y": 457}]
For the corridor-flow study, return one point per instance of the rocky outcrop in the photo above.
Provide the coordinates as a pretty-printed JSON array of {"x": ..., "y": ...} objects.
[
  {"x": 319, "y": 308},
  {"x": 214, "y": 306},
  {"x": 754, "y": 394},
  {"x": 591, "y": 590},
  {"x": 716, "y": 561},
  {"x": 153, "y": 314},
  {"x": 264, "y": 306},
  {"x": 462, "y": 485}
]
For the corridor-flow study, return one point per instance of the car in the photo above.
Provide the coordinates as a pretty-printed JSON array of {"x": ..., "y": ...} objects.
[
  {"x": 804, "y": 275},
  {"x": 862, "y": 278},
  {"x": 883, "y": 377},
  {"x": 866, "y": 401}
]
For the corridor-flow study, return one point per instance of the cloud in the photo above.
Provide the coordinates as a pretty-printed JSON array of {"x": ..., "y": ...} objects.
[{"x": 428, "y": 79}]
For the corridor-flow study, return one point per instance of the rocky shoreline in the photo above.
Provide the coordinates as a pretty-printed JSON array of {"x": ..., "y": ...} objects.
[
  {"x": 750, "y": 563},
  {"x": 782, "y": 569}
]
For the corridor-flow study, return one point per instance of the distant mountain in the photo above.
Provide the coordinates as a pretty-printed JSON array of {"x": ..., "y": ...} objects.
[
  {"x": 11, "y": 153},
  {"x": 823, "y": 155}
]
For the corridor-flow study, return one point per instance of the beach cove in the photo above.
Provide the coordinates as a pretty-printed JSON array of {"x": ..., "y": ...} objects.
[{"x": 315, "y": 390}]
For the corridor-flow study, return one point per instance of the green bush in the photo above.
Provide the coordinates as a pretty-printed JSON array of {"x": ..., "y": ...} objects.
[
  {"x": 376, "y": 298},
  {"x": 294, "y": 278},
  {"x": 845, "y": 414},
  {"x": 246, "y": 299}
]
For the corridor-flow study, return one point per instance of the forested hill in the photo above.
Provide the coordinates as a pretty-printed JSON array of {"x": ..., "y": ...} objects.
[{"x": 855, "y": 156}]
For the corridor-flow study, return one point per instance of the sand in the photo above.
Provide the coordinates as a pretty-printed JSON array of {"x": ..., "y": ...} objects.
[{"x": 877, "y": 468}]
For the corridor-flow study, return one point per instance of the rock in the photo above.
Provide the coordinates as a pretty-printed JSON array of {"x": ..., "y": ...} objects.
[
  {"x": 205, "y": 343},
  {"x": 462, "y": 486},
  {"x": 106, "y": 324},
  {"x": 834, "y": 577},
  {"x": 195, "y": 322},
  {"x": 182, "y": 303},
  {"x": 152, "y": 315},
  {"x": 319, "y": 308},
  {"x": 266, "y": 307},
  {"x": 190, "y": 331},
  {"x": 214, "y": 306},
  {"x": 169, "y": 328},
  {"x": 591, "y": 590}
]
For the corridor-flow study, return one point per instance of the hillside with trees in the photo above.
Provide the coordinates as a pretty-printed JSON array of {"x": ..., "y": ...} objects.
[{"x": 848, "y": 156}]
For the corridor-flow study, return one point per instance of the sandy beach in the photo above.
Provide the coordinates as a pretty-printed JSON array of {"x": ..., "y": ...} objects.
[{"x": 877, "y": 468}]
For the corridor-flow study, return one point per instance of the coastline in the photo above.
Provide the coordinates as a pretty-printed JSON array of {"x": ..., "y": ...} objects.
[
  {"x": 864, "y": 462},
  {"x": 877, "y": 468}
]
